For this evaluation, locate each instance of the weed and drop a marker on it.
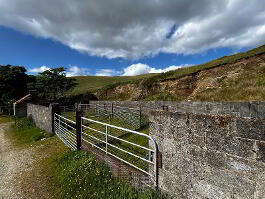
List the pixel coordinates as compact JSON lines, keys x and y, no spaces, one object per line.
{"x":80,"y":175}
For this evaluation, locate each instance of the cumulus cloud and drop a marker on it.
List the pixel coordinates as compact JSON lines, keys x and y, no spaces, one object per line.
{"x":76,"y":71}
{"x":138,"y":69}
{"x":39,"y":70}
{"x":106,"y":72}
{"x":69,"y":72}
{"x":134,"y":29}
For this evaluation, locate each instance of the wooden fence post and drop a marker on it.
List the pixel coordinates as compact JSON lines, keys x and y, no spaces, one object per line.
{"x":79,"y":114}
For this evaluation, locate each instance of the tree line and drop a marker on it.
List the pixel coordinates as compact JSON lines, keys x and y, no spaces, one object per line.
{"x":48,"y":86}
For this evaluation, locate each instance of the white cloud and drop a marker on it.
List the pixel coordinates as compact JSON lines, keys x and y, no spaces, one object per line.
{"x":76,"y":71}
{"x":39,"y":70}
{"x":106,"y":72}
{"x":69,"y":72}
{"x":134,"y":29}
{"x":138,"y":69}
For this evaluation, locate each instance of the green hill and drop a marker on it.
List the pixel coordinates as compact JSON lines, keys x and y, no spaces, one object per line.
{"x":92,"y":84}
{"x":239,"y":77}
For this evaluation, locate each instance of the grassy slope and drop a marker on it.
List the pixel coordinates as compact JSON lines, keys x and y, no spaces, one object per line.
{"x":248,"y":85}
{"x":94,"y":83}
{"x":175,"y":74}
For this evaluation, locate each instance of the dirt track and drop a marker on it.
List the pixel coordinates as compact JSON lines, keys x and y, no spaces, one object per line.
{"x":13,"y":163}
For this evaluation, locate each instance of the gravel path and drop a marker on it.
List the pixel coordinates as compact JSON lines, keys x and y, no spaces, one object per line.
{"x":13,"y":163}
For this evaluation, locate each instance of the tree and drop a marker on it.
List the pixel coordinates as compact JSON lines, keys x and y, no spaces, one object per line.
{"x":13,"y":83}
{"x":53,"y":84}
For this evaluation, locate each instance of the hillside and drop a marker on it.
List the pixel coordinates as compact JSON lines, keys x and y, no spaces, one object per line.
{"x":240,"y":77}
{"x":92,"y":84}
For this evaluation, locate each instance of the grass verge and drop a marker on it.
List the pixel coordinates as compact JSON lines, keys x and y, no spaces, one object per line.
{"x":81,"y":176}
{"x":24,"y":132}
{"x":57,"y":172}
{"x":5,"y":119}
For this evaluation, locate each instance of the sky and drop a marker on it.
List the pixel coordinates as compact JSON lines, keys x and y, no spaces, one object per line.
{"x":125,"y":37}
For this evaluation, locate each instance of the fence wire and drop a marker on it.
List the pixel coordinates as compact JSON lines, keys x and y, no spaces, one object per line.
{"x":131,"y":118}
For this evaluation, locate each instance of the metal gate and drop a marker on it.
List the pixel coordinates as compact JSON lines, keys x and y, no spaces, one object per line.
{"x":65,"y":129}
{"x":138,"y":150}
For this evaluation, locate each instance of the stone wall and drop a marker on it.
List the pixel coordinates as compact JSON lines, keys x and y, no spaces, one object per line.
{"x":241,"y":109}
{"x":41,"y":115}
{"x":210,"y":156}
{"x":21,"y":110}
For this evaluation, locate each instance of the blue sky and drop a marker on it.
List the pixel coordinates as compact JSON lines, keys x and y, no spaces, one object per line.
{"x":143,"y":41}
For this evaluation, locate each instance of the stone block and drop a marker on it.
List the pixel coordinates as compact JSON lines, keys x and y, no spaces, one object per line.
{"x":214,"y":125}
{"x":250,"y":128}
{"x":197,"y":140}
{"x":248,"y":169}
{"x":215,"y":159}
{"x":260,"y":187}
{"x":178,"y":133}
{"x":231,"y":145}
{"x":260,"y":151}
{"x":204,"y":189}
{"x":231,"y":182}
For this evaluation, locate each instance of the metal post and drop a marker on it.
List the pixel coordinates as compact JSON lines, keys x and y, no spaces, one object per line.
{"x":14,"y":108}
{"x":158,"y":163}
{"x":140,"y":116}
{"x":59,"y":124}
{"x":54,"y":109}
{"x":79,"y":114}
{"x":76,"y":106}
{"x":112,"y":110}
{"x":106,"y":139}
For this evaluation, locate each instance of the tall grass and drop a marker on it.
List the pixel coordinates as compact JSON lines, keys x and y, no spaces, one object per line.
{"x":81,"y":176}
